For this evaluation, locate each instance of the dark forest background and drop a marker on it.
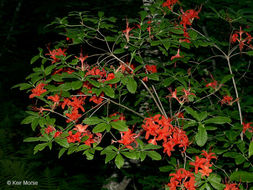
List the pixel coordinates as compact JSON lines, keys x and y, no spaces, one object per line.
{"x":22,"y":30}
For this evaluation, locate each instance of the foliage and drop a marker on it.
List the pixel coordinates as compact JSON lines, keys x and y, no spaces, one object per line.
{"x":93,"y":102}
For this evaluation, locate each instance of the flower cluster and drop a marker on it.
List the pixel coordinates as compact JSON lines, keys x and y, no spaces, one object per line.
{"x":38,"y":90}
{"x":203,"y":165}
{"x":161,"y":129}
{"x":182,"y":178}
{"x":56,"y":53}
{"x":182,"y":99}
{"x":238,"y":37}
{"x":247,"y":126}
{"x":232,"y":186}
{"x":187,"y":18}
{"x":228,"y":100}
{"x":127,"y":138}
{"x":169,"y":3}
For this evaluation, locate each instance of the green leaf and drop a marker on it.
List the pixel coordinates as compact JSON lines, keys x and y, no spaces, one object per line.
{"x":23,"y":86}
{"x":203,"y":115}
{"x":250,"y":53}
{"x":130,"y":155}
{"x":218,"y":120}
{"x":226,"y":78}
{"x":62,"y":142}
{"x":154,"y":155}
{"x":251,"y":149}
{"x":75,"y":85}
{"x":118,"y":51}
{"x":92,"y":121}
{"x":119,"y":125}
{"x":143,"y":156}
{"x":34,"y":139}
{"x":242,"y":176}
{"x":35,"y":123}
{"x":99,"y":128}
{"x":100,"y":14}
{"x":61,"y":152}
{"x":82,"y":147}
{"x":153,"y":76}
{"x":143,"y":14}
{"x":192,"y":113}
{"x":206,"y":186}
{"x":109,"y":156}
{"x":131,"y":85}
{"x":119,"y":161}
{"x":215,"y":181}
{"x":112,"y":81}
{"x":40,"y":147}
{"x":166,"y":43}
{"x":49,"y":69}
{"x":239,"y":159}
{"x":57,"y":78}
{"x":201,"y":136}
{"x":35,"y":58}
{"x":94,"y":83}
{"x":109,"y":91}
{"x":151,"y":146}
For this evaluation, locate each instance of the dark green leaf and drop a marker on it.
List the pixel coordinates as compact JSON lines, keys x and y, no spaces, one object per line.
{"x":109,"y":91}
{"x":62,"y":142}
{"x":130,"y":155}
{"x":119,"y":125}
{"x":218,"y":120}
{"x":201,"y":136}
{"x":119,"y":161}
{"x":35,"y":58}
{"x":40,"y":147}
{"x":75,"y":85}
{"x":61,"y":152}
{"x":192,"y":113}
{"x":131,"y":85}
{"x":99,"y":128}
{"x":154,"y":155}
{"x":109,"y":156}
{"x":251,"y":149}
{"x":242,"y":176}
{"x":92,"y":121}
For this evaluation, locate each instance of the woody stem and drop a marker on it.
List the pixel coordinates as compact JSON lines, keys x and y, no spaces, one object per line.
{"x":141,"y":82}
{"x":129,"y":109}
{"x":236,"y":92}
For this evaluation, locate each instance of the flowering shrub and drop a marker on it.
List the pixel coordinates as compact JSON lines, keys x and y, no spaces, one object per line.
{"x":94,"y":102}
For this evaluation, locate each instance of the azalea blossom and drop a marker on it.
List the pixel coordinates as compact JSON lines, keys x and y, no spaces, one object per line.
{"x":38,"y":90}
{"x":247,"y":126}
{"x":177,"y":55}
{"x":56,"y":53}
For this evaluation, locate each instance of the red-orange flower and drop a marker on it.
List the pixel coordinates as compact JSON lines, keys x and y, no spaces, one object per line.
{"x":177,"y":55}
{"x":232,"y":186}
{"x":82,"y":59}
{"x":127,"y":138}
{"x":55,"y":98}
{"x":151,"y":68}
{"x":247,"y":126}
{"x":38,"y":90}
{"x":74,"y":115}
{"x":169,"y":3}
{"x":49,"y":129}
{"x":203,"y":165}
{"x":188,"y":17}
{"x":55,"y":53}
{"x":127,"y":30}
{"x":182,"y":178}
